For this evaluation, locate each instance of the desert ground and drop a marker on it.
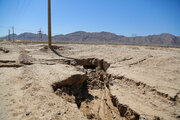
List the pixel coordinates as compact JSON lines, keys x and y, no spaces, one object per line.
{"x":88,"y":81}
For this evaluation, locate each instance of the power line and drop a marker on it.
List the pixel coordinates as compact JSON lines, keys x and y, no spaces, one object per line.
{"x":18,"y":28}
{"x":4,"y":26}
{"x":21,"y":8}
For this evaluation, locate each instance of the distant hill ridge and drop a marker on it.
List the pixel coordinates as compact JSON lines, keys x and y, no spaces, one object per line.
{"x":163,"y":39}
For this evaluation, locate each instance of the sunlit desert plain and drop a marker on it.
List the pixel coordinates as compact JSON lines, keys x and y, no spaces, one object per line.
{"x":88,"y":81}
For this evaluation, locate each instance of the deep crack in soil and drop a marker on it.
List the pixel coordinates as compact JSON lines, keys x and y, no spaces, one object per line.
{"x":4,"y":50}
{"x":91,"y":93}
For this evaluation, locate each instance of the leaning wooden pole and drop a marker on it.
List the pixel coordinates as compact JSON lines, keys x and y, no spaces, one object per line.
{"x":9,"y":35}
{"x":49,"y":23}
{"x":13,"y":33}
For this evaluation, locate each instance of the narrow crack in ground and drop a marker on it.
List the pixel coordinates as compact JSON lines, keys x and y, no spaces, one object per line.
{"x":143,"y":86}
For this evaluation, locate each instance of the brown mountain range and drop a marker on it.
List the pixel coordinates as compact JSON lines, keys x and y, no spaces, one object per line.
{"x":163,"y":39}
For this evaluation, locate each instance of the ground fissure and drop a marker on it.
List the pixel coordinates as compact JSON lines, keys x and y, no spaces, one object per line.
{"x":91,"y":92}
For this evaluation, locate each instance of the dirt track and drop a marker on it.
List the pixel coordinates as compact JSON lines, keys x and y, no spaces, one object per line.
{"x":121,"y":82}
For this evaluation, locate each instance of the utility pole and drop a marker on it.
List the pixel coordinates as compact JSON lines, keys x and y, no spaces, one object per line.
{"x":49,"y":23}
{"x":9,"y":35}
{"x":40,"y":35}
{"x":13,"y":32}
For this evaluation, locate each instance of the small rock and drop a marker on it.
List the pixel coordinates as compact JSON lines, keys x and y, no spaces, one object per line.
{"x":28,"y":113}
{"x":142,"y":118}
{"x":58,"y":113}
{"x":93,"y":70}
{"x":91,"y":116}
{"x":96,"y":97}
{"x":114,"y":115}
{"x":111,"y":84}
{"x":156,"y":118}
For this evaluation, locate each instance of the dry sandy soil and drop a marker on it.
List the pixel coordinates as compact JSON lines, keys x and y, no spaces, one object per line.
{"x":86,"y":81}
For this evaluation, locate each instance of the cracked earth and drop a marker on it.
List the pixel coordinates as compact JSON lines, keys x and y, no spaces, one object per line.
{"x":88,"y":81}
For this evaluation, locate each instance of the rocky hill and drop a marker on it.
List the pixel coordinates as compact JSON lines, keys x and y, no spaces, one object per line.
{"x":163,"y":39}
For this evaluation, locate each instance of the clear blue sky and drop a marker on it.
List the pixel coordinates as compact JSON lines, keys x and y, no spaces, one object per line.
{"x":123,"y":17}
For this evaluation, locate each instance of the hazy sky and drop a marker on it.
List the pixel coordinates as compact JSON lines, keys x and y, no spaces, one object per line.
{"x":123,"y":17}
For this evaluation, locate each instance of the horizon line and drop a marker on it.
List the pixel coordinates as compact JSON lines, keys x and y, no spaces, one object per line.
{"x":133,"y":35}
